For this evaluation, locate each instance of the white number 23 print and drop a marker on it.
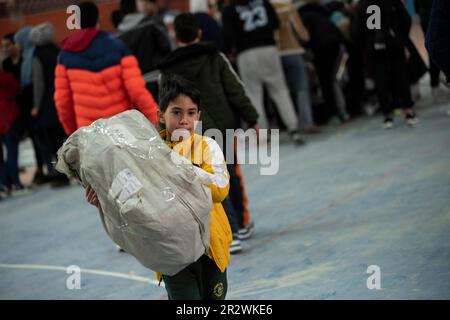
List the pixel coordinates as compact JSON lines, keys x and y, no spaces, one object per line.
{"x":254,"y":18}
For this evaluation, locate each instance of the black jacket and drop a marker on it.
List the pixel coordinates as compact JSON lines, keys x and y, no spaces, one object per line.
{"x":323,"y":33}
{"x":149,"y":42}
{"x":394,"y":32}
{"x":248,"y":24}
{"x":224,"y":102}
{"x":47,"y":56}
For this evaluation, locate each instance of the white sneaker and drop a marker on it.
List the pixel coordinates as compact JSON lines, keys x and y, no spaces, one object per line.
{"x":246,"y":232}
{"x":388,"y":123}
{"x":236,"y":246}
{"x":412,"y":120}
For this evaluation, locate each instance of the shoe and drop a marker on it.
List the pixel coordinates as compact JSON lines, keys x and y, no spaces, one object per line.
{"x":388,"y":123}
{"x":297,"y":138}
{"x":60,"y":181}
{"x":3,"y":192}
{"x":312,"y":130}
{"x":40,"y":178}
{"x":344,"y":117}
{"x":411,"y":119}
{"x":236,"y":246}
{"x":18,"y":190}
{"x":246,"y":232}
{"x":119,"y":248}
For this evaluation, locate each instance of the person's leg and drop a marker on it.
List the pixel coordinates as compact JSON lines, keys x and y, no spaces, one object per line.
{"x":44,"y":147}
{"x":304,"y":99}
{"x":382,"y":76}
{"x":324,"y":74}
{"x":247,"y":62}
{"x":235,"y":194}
{"x":278,"y":89}
{"x":186,"y":284}
{"x":215,"y":285}
{"x":402,"y":90}
{"x":11,"y":140}
{"x":434,"y":75}
{"x":231,"y":214}
{"x":340,"y":64}
{"x":2,"y":166}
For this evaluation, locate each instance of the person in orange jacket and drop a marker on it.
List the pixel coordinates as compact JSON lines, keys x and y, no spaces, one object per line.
{"x":97,"y":76}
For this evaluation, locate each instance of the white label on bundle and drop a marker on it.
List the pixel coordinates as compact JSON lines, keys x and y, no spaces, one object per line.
{"x":125,"y":185}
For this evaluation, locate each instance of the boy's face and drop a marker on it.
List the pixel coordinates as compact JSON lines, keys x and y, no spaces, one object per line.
{"x":180,"y":117}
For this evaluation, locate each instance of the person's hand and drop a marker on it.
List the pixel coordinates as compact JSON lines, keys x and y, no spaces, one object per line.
{"x":34,"y":112}
{"x":91,"y":196}
{"x":256,"y":128}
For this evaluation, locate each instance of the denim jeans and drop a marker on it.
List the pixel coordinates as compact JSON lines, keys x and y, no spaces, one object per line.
{"x":297,"y":81}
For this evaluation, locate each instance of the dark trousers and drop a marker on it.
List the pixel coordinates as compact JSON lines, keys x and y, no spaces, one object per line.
{"x":201,"y":280}
{"x":325,"y":65}
{"x":9,"y":170}
{"x":433,"y":68}
{"x":49,"y":139}
{"x":391,"y":80}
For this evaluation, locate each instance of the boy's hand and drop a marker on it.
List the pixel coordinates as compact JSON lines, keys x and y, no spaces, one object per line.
{"x":91,"y":196}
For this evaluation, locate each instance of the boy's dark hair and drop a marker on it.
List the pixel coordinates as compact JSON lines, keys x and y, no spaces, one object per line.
{"x":173,"y":86}
{"x":186,"y":27}
{"x":10,"y":37}
{"x":89,"y":14}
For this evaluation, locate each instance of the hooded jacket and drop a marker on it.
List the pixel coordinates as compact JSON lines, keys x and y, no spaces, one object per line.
{"x":206,"y":154}
{"x":224,"y":102}
{"x":44,"y":64}
{"x":97,"y":77}
{"x":147,"y":40}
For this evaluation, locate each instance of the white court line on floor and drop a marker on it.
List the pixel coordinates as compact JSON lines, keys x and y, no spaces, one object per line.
{"x":91,"y":271}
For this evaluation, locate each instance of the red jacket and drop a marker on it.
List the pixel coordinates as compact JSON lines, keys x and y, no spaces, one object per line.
{"x":97,"y":77}
{"x":9,"y":89}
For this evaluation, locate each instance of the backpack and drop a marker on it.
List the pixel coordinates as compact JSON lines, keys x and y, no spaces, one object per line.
{"x":153,"y":204}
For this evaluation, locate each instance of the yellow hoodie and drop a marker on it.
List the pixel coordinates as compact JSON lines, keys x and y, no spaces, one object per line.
{"x":206,"y":154}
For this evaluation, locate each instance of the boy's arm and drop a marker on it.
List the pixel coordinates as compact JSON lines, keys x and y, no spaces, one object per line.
{"x":214,"y":170}
{"x":235,"y":92}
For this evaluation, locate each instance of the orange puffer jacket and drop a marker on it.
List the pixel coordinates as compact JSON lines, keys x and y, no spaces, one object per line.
{"x":97,"y":77}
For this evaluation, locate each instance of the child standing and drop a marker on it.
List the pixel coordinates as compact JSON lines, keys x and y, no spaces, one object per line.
{"x":179,"y":110}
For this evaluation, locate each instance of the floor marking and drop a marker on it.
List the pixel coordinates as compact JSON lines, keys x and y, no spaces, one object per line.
{"x":127,"y":276}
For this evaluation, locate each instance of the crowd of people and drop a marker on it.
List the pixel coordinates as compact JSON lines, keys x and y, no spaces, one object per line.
{"x":256,"y":64}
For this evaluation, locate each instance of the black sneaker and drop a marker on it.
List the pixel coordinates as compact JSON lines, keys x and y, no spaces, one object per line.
{"x":411,"y":119}
{"x":40,"y":178}
{"x":60,"y":181}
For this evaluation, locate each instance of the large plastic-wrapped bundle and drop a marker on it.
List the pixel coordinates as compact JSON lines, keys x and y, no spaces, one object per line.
{"x":153,"y":203}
